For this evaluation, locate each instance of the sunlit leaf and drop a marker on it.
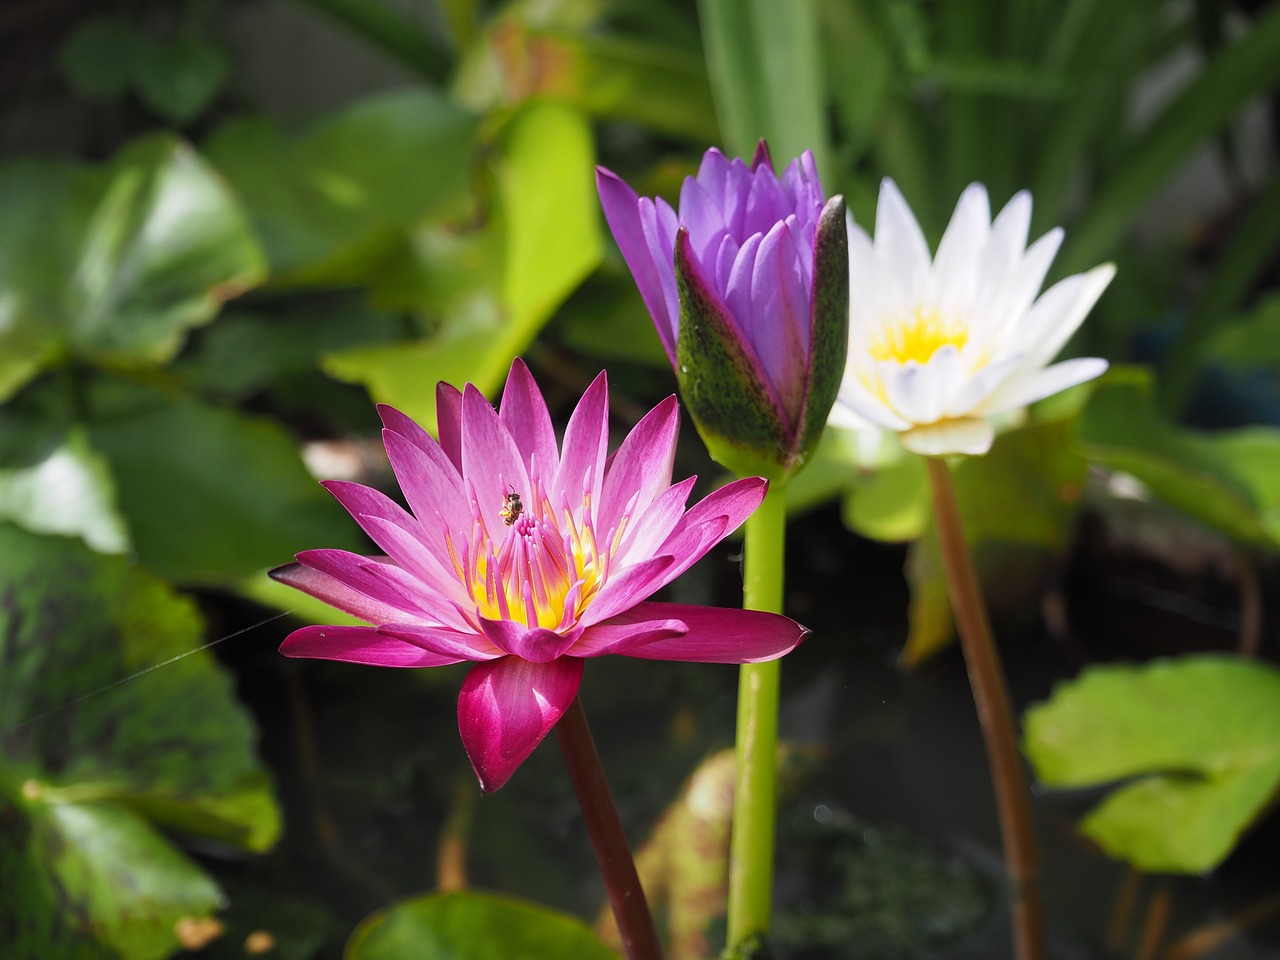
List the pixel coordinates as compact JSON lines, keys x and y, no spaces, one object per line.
{"x":1229,"y":480}
{"x":546,"y":240}
{"x":472,"y":926}
{"x":1199,"y":739}
{"x":70,"y":491}
{"x":89,"y":766}
{"x":114,"y":265}
{"x":212,"y":495}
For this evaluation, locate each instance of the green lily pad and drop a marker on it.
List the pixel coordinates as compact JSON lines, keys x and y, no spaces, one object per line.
{"x":113,"y":265}
{"x":472,"y":926}
{"x":331,"y":206}
{"x":219,"y":509}
{"x":1228,"y":480}
{"x":90,"y":768}
{"x":1194,"y":744}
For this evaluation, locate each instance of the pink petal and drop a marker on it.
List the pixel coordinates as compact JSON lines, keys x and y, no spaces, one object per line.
{"x":490,"y":459}
{"x":651,"y":527}
{"x":411,"y":430}
{"x":505,"y":709}
{"x":625,"y":631}
{"x":537,"y":645}
{"x":336,"y":577}
{"x":625,"y":589}
{"x":586,"y":445}
{"x":641,"y":466}
{"x":343,"y":580}
{"x":449,"y":422}
{"x":525,"y":413}
{"x":712,"y":634}
{"x":724,"y":510}
{"x":454,"y":644}
{"x":430,"y":484}
{"x":358,"y":645}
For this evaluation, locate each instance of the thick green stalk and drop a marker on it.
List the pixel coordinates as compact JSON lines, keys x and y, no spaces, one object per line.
{"x":995,"y":716}
{"x":613,"y":854}
{"x":755,"y":794}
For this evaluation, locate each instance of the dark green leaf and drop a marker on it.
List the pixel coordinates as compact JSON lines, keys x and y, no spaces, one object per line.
{"x":85,"y":764}
{"x":178,"y":80}
{"x":99,"y":56}
{"x":472,"y":926}
{"x":1201,"y":735}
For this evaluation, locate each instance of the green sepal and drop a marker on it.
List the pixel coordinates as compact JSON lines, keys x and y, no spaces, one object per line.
{"x":829,"y":346}
{"x":735,"y":410}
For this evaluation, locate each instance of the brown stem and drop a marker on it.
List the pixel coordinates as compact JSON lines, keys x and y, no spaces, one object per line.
{"x":626,"y":896}
{"x":1157,"y":921}
{"x":1250,"y":603}
{"x":995,"y":715}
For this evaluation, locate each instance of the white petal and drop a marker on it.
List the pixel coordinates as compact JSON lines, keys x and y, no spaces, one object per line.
{"x":1021,"y":286}
{"x":858,"y":403}
{"x":1022,"y":391}
{"x":912,"y":391}
{"x":1009,"y":230}
{"x":966,"y":435}
{"x":1059,"y":312}
{"x":900,"y":243}
{"x":955,"y":269}
{"x":972,"y":394}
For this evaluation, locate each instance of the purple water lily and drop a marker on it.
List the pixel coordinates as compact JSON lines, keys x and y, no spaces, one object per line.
{"x":526,"y":557}
{"x":748,"y":288}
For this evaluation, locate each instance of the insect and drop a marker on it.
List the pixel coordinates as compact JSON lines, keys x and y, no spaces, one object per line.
{"x":511,"y":508}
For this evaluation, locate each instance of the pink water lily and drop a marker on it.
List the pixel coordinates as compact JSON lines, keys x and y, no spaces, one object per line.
{"x":525,"y":557}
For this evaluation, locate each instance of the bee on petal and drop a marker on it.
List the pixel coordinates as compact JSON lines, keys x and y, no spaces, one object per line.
{"x":511,"y":508}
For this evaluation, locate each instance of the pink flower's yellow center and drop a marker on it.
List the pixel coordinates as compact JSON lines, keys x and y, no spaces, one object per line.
{"x":540,"y":567}
{"x":917,"y":336}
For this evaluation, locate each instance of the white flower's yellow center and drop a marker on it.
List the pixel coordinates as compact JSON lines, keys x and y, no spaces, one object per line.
{"x":916,"y":336}
{"x":543,"y":570}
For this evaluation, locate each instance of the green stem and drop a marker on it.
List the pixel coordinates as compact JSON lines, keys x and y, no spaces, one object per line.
{"x":995,"y":715}
{"x":755,"y":794}
{"x":626,"y":896}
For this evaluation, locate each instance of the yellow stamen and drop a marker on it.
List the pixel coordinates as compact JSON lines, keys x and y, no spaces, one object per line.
{"x":917,"y":336}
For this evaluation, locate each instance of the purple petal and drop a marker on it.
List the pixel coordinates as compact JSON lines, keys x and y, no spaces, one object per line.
{"x":537,"y":645}
{"x":712,"y":634}
{"x":626,"y":218}
{"x":490,"y":459}
{"x":778,"y":325}
{"x":525,"y":413}
{"x":358,"y":645}
{"x":703,"y":215}
{"x":761,"y":157}
{"x":449,"y":422}
{"x":505,"y":709}
{"x":454,"y":644}
{"x":641,"y":466}
{"x":585,"y":448}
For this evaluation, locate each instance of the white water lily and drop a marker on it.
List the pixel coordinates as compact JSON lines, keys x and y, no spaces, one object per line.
{"x":939,"y":345}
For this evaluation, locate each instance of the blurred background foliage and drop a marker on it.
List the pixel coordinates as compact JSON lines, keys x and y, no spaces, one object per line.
{"x":227,"y":225}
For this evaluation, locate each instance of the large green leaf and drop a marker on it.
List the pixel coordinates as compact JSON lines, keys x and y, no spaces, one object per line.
{"x":1228,"y":480}
{"x":1199,"y":739}
{"x":115,"y":264}
{"x":472,"y":926}
{"x":213,"y":495}
{"x":331,"y":206}
{"x":88,"y":768}
{"x":545,"y":241}
{"x":1017,"y":504}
